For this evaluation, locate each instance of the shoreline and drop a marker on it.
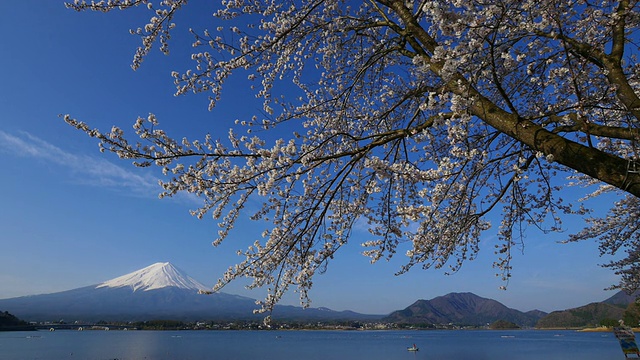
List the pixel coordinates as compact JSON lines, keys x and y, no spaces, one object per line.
{"x":604,"y":329}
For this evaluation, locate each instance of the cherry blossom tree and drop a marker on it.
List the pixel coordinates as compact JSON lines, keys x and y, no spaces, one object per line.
{"x":416,"y":118}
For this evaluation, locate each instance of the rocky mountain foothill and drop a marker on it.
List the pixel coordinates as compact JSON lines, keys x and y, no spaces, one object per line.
{"x":162,"y":291}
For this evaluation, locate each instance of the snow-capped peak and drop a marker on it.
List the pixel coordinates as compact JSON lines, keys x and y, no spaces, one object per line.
{"x":156,"y":276}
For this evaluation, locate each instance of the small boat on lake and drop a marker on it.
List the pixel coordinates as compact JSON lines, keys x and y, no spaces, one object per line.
{"x":413,"y":348}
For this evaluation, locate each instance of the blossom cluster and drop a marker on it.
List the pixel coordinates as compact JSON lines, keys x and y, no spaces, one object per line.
{"x":420,"y":119}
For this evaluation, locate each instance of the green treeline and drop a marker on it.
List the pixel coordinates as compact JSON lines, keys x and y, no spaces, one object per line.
{"x":160,"y":325}
{"x":10,"y":322}
{"x":7,"y":319}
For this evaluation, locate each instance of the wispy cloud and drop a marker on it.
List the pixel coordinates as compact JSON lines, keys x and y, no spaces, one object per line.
{"x":88,"y":170}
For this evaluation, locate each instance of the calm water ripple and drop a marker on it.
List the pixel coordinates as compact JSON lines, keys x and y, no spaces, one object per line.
{"x":310,"y":345}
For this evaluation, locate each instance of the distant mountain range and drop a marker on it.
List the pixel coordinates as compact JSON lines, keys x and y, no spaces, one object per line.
{"x":592,"y":314}
{"x":159,"y":291}
{"x":587,"y":315}
{"x":162,"y":291}
{"x":462,"y":309}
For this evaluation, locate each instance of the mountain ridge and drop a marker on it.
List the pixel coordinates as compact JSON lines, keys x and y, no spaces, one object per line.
{"x":158,"y":291}
{"x":610,"y":310}
{"x":465,"y":309}
{"x":587,"y":315}
{"x":162,"y":290}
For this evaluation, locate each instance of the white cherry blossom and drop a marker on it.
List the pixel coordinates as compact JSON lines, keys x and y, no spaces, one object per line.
{"x":419,"y":118}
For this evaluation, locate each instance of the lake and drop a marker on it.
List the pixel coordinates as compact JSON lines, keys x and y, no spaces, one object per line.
{"x":311,"y":345}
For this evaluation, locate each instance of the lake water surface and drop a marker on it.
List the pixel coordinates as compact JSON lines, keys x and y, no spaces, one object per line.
{"x":312,"y":345}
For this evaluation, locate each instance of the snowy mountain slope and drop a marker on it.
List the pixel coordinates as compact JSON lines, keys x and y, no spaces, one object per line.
{"x":165,"y":292}
{"x":156,"y":276}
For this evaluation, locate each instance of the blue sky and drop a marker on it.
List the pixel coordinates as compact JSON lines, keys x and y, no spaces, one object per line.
{"x":71,"y":216}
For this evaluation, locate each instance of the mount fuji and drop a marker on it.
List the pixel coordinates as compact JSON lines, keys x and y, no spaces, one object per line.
{"x":159,"y":291}
{"x":156,"y":276}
